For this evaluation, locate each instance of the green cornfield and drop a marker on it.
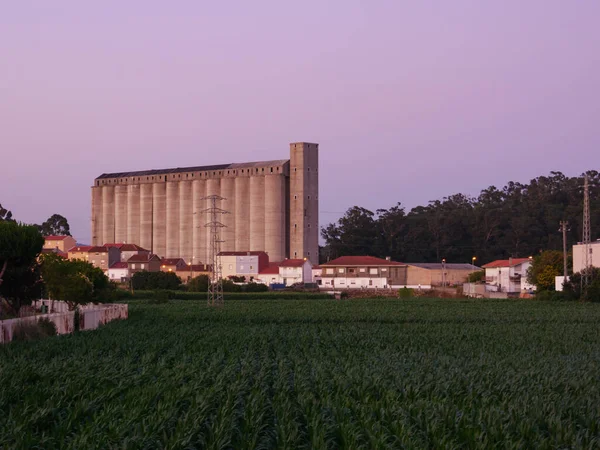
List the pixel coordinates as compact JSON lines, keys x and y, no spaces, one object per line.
{"x":322,"y":374}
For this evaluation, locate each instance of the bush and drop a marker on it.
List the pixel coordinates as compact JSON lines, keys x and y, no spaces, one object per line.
{"x":278,"y":295}
{"x":255,"y":287}
{"x":405,"y":292}
{"x":155,"y":280}
{"x":198,"y":284}
{"x":230,"y":286}
{"x":162,"y":296}
{"x":47,"y":327}
{"x":550,"y":296}
{"x":476,"y":277}
{"x":31,"y":331}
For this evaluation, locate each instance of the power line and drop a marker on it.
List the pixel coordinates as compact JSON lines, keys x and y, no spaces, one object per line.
{"x":585,"y":274}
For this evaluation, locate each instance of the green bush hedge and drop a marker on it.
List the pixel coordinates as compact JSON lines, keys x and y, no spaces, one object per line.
{"x":181,"y":295}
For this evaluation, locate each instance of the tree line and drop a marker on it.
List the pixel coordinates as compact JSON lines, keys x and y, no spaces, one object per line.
{"x":55,"y":225}
{"x":517,"y":220}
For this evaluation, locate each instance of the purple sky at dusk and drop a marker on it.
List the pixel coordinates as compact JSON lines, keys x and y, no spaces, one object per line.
{"x":409,"y":101}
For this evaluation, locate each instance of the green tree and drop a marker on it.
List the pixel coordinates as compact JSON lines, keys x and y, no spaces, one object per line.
{"x":198,"y":284}
{"x":19,"y":275}
{"x":5,"y":215}
{"x":75,"y":282}
{"x":155,"y":280}
{"x":56,"y":225}
{"x":544,"y":268}
{"x":572,"y":288}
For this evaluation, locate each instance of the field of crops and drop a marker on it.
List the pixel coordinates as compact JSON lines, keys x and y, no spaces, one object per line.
{"x":312,"y":374}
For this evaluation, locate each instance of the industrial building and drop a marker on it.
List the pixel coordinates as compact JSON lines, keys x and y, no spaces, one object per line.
{"x":273,"y":207}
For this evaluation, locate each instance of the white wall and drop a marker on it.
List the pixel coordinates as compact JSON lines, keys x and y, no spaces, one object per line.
{"x":353,"y":282}
{"x":578,"y":256}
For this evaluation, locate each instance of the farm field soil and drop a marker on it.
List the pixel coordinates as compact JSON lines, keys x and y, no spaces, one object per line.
{"x":419,"y":373}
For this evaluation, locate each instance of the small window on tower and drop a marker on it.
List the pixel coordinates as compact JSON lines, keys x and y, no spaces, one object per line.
{"x":271,"y":170}
{"x":309,"y":197}
{"x":295,"y":225}
{"x":309,"y":169}
{"x":295,"y":197}
{"x":309,"y":225}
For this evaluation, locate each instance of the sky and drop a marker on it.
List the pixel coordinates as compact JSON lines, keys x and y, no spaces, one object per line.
{"x":410,"y":101}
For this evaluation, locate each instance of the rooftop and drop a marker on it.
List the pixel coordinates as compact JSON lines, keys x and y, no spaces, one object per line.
{"x":56,"y":238}
{"x":438,"y":266}
{"x":272,"y":269}
{"x":256,"y":253}
{"x":292,"y":263}
{"x":119,"y":265}
{"x":143,"y":257}
{"x":171,"y":261}
{"x":138,"y":173}
{"x":80,"y":248}
{"x":127,"y":247}
{"x":505,"y":263}
{"x":196,"y":268}
{"x":361,"y":261}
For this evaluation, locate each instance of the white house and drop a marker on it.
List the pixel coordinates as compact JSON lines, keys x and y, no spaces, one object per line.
{"x":317,"y":273}
{"x":295,"y":271}
{"x":118,"y":272}
{"x":579,"y":256}
{"x":508,"y":275}
{"x":270,"y":275}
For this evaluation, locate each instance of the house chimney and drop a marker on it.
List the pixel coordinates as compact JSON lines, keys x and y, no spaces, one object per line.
{"x":388,"y":258}
{"x":510,"y":262}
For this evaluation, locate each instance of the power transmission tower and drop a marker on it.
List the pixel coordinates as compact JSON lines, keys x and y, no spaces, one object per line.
{"x":564,"y":227}
{"x":585,"y":273}
{"x":215,"y":287}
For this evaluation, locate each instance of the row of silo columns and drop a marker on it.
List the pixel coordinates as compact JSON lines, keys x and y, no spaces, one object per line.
{"x":169,"y":218}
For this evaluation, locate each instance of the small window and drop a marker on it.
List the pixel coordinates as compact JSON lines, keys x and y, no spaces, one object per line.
{"x":341,"y":270}
{"x":295,"y":225}
{"x":230,"y":266}
{"x":362,"y":270}
{"x":251,"y":267}
{"x":271,"y":170}
{"x":241,"y":267}
{"x":309,"y":197}
{"x":309,"y":169}
{"x":350,"y":270}
{"x":295,"y":253}
{"x":294,"y":169}
{"x":309,"y":225}
{"x":295,"y":197}
{"x":384,"y":269}
{"x":373,"y":271}
{"x":262,"y":170}
{"x":143,"y":266}
{"x":329,"y":271}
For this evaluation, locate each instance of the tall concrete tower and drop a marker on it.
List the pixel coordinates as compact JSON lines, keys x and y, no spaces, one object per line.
{"x":304,"y":201}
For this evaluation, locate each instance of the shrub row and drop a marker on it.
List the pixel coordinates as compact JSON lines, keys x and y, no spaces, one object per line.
{"x":182,"y":295}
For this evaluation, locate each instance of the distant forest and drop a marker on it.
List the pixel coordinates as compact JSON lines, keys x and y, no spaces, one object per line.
{"x":518,"y":220}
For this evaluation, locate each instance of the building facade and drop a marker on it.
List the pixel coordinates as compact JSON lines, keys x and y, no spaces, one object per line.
{"x":437,"y":274}
{"x":63,"y":243}
{"x":362,"y":272}
{"x":273,"y":207}
{"x":508,"y":275}
{"x":244,"y":264}
{"x":579,"y":256}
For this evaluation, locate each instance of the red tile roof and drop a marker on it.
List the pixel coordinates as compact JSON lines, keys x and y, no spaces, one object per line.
{"x":196,"y":268}
{"x":242,"y":253}
{"x":80,"y":248}
{"x":144,"y":257}
{"x":360,"y":261}
{"x":98,"y":249}
{"x":172,"y":261}
{"x":127,"y":247}
{"x":272,"y":269}
{"x":119,"y":265}
{"x":292,"y":263}
{"x":505,"y":263}
{"x":54,"y":250}
{"x":56,"y":238}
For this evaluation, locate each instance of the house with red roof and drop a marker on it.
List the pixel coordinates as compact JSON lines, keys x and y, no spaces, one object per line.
{"x":295,"y":271}
{"x":119,"y":272}
{"x":63,"y":243}
{"x":145,"y":262}
{"x":270,"y":274}
{"x":245,"y":264}
{"x":128,"y":250}
{"x":508,"y":275}
{"x":172,"y":264}
{"x":362,"y":272}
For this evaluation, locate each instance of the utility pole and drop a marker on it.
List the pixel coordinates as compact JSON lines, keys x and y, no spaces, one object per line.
{"x":215,"y":287}
{"x":585,"y":273}
{"x":564,"y":228}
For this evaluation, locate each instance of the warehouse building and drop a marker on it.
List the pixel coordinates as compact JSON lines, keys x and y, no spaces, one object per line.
{"x":273,"y":207}
{"x":437,"y":274}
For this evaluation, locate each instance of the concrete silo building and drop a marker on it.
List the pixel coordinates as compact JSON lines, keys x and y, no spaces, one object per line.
{"x":273,"y":205}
